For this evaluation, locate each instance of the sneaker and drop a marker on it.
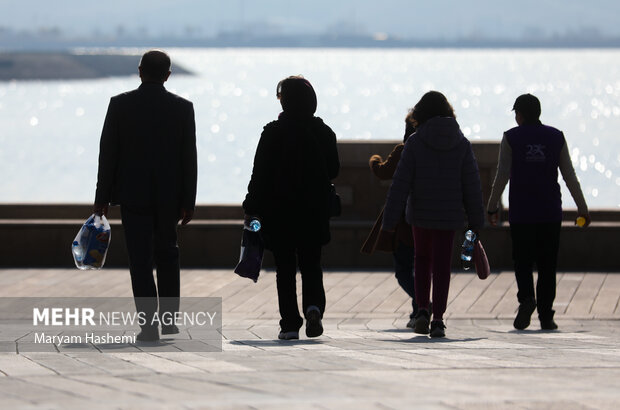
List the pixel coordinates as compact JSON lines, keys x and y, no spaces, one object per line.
{"x":524,"y":315}
{"x":314,"y":327}
{"x":438,"y":329}
{"x":169,"y":330}
{"x":548,"y":324}
{"x":288,"y":335}
{"x":148,"y":335}
{"x":420,"y":325}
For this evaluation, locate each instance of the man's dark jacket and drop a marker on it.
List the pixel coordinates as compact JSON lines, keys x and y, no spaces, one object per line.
{"x":147,"y":156}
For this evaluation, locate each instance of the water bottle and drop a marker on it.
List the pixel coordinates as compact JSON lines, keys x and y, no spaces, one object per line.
{"x":467,"y":250}
{"x":78,"y":253}
{"x":254,"y":225}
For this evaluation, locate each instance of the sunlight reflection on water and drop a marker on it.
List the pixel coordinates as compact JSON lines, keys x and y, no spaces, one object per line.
{"x":50,"y":130}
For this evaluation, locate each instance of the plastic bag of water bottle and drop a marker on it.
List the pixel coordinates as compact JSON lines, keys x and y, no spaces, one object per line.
{"x":473,"y":254}
{"x":467,"y":250}
{"x":252,"y":248}
{"x":90,"y":246}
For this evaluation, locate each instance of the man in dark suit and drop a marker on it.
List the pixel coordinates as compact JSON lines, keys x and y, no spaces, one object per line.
{"x":148,"y":165}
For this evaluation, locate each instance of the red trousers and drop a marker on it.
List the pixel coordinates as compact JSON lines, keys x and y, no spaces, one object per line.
{"x":433,"y":255}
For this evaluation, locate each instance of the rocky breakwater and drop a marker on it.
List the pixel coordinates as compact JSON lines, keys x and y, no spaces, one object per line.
{"x":69,"y":66}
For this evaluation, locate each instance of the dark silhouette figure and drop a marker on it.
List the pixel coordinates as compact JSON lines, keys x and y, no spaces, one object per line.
{"x":437,"y":180}
{"x":530,"y":156}
{"x":289,"y":191}
{"x":401,"y":244}
{"x":148,"y":165}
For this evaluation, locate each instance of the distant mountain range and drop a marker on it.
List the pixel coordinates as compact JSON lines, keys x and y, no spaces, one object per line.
{"x":10,"y":41}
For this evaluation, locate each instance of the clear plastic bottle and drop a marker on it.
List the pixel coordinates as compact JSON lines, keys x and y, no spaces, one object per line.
{"x":467,"y":250}
{"x":254,"y":225}
{"x":78,"y":252}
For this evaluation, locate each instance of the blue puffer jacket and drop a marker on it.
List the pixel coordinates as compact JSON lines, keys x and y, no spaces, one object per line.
{"x":437,"y":179}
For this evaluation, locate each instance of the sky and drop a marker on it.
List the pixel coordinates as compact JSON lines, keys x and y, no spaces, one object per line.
{"x":445,"y":19}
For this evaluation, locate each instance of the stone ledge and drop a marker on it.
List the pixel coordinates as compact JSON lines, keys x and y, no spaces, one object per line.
{"x":215,"y":243}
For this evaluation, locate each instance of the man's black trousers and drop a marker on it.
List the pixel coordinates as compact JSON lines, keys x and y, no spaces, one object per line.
{"x":151,"y":237}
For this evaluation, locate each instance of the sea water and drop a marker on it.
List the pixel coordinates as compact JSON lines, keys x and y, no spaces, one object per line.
{"x":49,"y":130}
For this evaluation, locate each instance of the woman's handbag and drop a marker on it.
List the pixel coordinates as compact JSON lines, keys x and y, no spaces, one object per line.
{"x":251,"y":257}
{"x":480,"y":261}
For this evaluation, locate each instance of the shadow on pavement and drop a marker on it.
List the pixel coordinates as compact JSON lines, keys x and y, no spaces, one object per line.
{"x":407,"y":330}
{"x":428,"y":339}
{"x":276,"y":342}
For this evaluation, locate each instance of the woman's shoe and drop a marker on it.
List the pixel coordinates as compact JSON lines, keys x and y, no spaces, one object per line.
{"x":438,"y":329}
{"x":288,"y":335}
{"x":421,"y":322}
{"x":524,"y":315}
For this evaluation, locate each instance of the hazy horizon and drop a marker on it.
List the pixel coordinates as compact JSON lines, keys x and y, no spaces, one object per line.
{"x":399,"y":18}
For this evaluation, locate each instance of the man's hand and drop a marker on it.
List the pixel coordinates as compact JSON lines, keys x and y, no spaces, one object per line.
{"x":186,"y":216}
{"x":248,"y":218}
{"x":100,"y":209}
{"x":375,"y":159}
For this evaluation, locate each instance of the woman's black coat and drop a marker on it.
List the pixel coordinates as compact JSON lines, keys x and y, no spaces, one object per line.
{"x":289,"y":190}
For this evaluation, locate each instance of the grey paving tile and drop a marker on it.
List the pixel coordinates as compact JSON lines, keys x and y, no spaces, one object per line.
{"x":8,"y":347}
{"x":16,"y":365}
{"x":28,"y":347}
{"x":22,"y":389}
{"x":61,"y":364}
{"x":365,"y":359}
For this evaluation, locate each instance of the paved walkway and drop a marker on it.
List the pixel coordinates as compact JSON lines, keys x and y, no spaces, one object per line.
{"x":366,"y":358}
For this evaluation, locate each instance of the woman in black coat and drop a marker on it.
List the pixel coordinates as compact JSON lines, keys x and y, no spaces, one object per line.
{"x":289,"y":192}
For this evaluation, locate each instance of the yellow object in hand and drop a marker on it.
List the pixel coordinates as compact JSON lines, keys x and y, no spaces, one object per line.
{"x":581,"y":221}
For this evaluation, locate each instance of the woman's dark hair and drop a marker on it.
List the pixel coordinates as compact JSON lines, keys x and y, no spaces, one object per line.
{"x":409,"y":125}
{"x":432,"y":104}
{"x":297,"y":96}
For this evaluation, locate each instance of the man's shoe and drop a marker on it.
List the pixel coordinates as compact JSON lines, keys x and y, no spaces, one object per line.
{"x":314,"y":327}
{"x":411,"y":323}
{"x":288,"y":335}
{"x":169,"y":330}
{"x":422,"y":319}
{"x":524,"y":315}
{"x":548,"y":324}
{"x":148,"y":335}
{"x":438,"y":329}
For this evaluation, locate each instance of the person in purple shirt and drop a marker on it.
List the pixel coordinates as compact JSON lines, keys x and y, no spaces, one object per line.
{"x":530,"y":156}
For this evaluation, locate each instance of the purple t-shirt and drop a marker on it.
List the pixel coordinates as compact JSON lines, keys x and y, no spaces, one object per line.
{"x":534,"y":190}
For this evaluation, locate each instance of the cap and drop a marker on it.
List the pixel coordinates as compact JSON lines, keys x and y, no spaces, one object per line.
{"x":528,"y":105}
